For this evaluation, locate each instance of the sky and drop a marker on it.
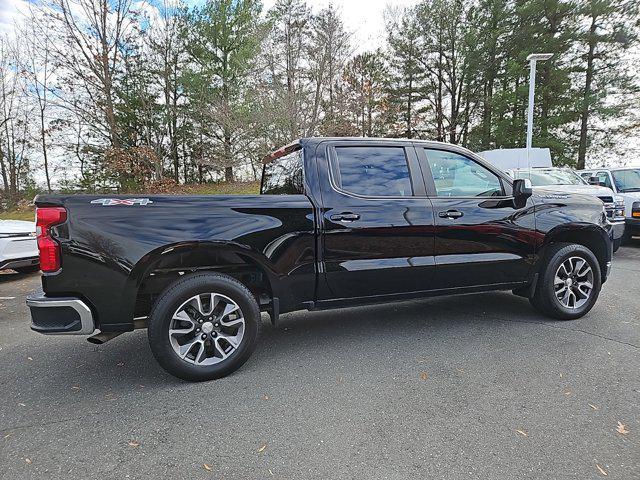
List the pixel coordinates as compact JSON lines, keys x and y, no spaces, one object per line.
{"x":364,"y":18}
{"x":9,"y":12}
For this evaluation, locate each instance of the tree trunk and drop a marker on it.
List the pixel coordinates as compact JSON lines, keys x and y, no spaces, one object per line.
{"x":409,"y":107}
{"x":44,"y":151}
{"x":584,"y":116}
{"x":3,"y":168}
{"x":228,"y":170}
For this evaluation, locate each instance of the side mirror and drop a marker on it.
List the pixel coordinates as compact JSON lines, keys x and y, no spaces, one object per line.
{"x":521,"y":191}
{"x":594,"y":181}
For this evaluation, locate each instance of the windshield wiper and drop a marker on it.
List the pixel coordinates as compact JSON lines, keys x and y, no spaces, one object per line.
{"x":625,"y":190}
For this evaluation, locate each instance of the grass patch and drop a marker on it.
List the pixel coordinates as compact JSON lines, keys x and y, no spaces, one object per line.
{"x":235,"y":188}
{"x":28,"y":215}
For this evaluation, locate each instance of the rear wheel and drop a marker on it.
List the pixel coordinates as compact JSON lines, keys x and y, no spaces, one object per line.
{"x":204,"y":326}
{"x":569,"y":283}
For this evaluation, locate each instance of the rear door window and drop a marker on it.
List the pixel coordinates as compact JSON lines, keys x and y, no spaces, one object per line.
{"x":373,"y":171}
{"x":284,"y":175}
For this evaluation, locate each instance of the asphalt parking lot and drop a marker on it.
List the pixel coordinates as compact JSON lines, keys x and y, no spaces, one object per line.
{"x":476,"y":386}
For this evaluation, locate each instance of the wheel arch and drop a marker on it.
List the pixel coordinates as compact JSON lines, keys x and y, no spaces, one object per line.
{"x":161,"y":267}
{"x":591,"y":236}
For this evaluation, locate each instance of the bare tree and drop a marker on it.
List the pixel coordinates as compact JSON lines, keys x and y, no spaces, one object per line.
{"x":38,"y":68}
{"x":90,"y":37}
{"x":15,"y":114}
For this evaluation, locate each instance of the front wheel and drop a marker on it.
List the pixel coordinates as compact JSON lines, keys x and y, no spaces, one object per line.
{"x":569,"y":282}
{"x":204,"y":326}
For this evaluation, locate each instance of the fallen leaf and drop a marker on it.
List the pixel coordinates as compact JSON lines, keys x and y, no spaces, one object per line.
{"x":424,"y":375}
{"x":271,"y":472}
{"x":601,"y":470}
{"x":207,"y":467}
{"x":133,"y":443}
{"x":76,"y":387}
{"x":22,"y":404}
{"x":568,"y":392}
{"x":265,"y":397}
{"x":523,"y":433}
{"x":27,"y":461}
{"x":7,"y":435}
{"x":30,"y":359}
{"x":460,"y":370}
{"x":593,"y":406}
{"x":621,"y":429}
{"x":121,"y":364}
{"x":262,"y":448}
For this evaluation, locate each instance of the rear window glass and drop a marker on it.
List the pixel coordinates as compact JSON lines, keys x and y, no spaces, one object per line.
{"x":283,"y":176}
{"x":373,"y":171}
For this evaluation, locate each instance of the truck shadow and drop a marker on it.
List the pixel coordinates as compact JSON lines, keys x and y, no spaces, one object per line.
{"x":125,"y":364}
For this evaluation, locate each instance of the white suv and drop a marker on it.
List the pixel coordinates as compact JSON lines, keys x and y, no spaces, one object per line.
{"x":625,"y":182}
{"x":18,"y":247}
{"x":566,"y":180}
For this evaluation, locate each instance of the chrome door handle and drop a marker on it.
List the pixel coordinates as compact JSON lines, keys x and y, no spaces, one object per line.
{"x":450,"y":214}
{"x":345,"y":217}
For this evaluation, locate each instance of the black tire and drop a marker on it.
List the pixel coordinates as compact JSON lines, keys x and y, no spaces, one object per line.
{"x":616,"y":244}
{"x":29,"y":269}
{"x":544,"y":299}
{"x":179,"y":292}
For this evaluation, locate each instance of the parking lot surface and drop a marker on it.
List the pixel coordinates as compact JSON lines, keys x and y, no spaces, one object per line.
{"x":475,"y":386}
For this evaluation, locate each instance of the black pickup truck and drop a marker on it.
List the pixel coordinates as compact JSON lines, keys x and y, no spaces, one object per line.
{"x":339,"y":222}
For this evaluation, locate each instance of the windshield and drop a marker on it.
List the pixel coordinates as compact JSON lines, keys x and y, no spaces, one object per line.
{"x":541,"y":178}
{"x":627,"y":180}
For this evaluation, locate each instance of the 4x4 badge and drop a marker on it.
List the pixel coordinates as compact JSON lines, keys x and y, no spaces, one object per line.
{"x":109,"y":202}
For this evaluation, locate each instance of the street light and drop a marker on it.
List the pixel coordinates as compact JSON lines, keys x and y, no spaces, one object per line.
{"x":533,"y":58}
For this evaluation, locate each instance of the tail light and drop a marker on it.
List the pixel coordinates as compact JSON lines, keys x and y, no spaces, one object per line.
{"x":47,"y":217}
{"x":635,"y":210}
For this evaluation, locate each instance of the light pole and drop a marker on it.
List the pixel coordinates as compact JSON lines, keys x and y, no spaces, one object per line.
{"x":533,"y":58}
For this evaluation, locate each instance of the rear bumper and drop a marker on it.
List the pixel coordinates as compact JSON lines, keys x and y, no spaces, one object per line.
{"x":19,"y":262}
{"x":60,"y":315}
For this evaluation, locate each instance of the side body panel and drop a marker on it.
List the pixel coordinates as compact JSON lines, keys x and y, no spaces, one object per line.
{"x":108,"y":250}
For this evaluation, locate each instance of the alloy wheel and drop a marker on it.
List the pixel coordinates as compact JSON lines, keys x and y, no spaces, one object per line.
{"x":206,"y":329}
{"x":573,"y":282}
